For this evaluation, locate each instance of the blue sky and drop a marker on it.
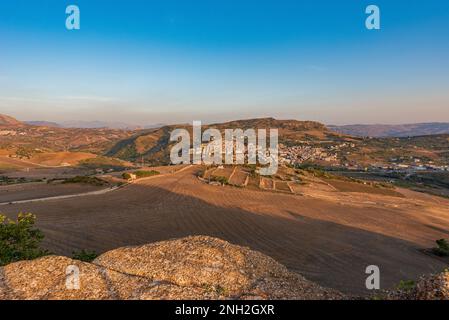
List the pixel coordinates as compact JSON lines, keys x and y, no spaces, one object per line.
{"x":172,"y":61}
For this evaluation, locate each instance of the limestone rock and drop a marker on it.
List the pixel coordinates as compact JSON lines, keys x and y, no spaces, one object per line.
{"x":190,"y":268}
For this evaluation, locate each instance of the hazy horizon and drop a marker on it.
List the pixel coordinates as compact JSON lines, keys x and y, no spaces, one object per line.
{"x":170,"y":62}
{"x":71,"y":122}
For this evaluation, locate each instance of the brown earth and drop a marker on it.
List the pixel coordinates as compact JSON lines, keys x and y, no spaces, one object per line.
{"x":282,"y":186}
{"x":47,"y":159}
{"x":222,"y":172}
{"x":345,"y":186}
{"x":61,"y":158}
{"x":9,"y":121}
{"x":239,"y":178}
{"x":9,"y":164}
{"x":330,"y":237}
{"x":49,"y":173}
{"x":28,"y":191}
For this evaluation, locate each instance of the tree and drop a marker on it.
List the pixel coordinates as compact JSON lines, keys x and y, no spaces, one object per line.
{"x":20,"y":240}
{"x":442,"y":249}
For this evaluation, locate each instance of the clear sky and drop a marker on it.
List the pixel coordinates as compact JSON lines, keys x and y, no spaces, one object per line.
{"x":167,"y":61}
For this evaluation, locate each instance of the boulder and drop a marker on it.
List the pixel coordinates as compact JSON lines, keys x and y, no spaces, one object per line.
{"x":190,"y":268}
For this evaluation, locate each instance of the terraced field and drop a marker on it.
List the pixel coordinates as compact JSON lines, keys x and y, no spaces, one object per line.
{"x":328,"y":236}
{"x":239,"y":178}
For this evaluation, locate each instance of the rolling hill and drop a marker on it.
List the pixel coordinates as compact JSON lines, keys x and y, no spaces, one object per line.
{"x":154,"y":145}
{"x":44,"y":137}
{"x":43,"y":124}
{"x":7,"y":121}
{"x":23,"y":145}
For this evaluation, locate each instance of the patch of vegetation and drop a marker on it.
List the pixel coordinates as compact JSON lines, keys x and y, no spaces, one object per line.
{"x":85,"y":255}
{"x":24,"y":153}
{"x":140,"y":174}
{"x":442,"y":248}
{"x":200,"y":173}
{"x":406,"y":285}
{"x":103,"y":163}
{"x":20,"y":240}
{"x":253,"y":170}
{"x":218,"y":289}
{"x":4,"y":180}
{"x":126,"y":176}
{"x":220,"y":179}
{"x":94,"y":181}
{"x":318,"y":173}
{"x":143,"y":174}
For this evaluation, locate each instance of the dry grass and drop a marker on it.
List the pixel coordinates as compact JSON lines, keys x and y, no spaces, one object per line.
{"x":60,"y":158}
{"x":347,"y":186}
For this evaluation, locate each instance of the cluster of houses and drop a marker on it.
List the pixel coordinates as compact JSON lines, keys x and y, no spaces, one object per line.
{"x":7,"y":133}
{"x":299,"y":154}
{"x":410,"y":167}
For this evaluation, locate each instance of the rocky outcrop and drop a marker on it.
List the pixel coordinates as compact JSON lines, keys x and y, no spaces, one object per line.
{"x":9,"y":121}
{"x":189,"y":268}
{"x":428,"y":287}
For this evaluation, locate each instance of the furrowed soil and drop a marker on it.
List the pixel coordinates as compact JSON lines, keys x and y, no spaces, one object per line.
{"x":330,"y":237}
{"x":29,"y":191}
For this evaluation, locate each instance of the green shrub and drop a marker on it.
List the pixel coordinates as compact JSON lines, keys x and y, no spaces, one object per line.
{"x":406,"y":285}
{"x":86,"y":180}
{"x":222,"y":180}
{"x":20,"y":240}
{"x":84,"y":255}
{"x":143,"y":174}
{"x":443,"y":248}
{"x":104,"y":163}
{"x":126,"y":176}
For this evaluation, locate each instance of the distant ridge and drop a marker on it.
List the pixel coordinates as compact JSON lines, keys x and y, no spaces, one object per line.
{"x":43,"y":124}
{"x":9,"y":121}
{"x":401,"y":130}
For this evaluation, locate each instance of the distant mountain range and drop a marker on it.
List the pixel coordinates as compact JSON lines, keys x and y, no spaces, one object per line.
{"x":43,"y":124}
{"x":91,"y":125}
{"x":400,"y":130}
{"x":9,"y":121}
{"x":359,"y":130}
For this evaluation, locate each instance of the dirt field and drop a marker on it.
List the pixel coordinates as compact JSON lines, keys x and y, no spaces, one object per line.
{"x":60,"y":158}
{"x":282,"y":186}
{"x":266,"y":183}
{"x":54,"y":159}
{"x":345,"y":186}
{"x":238,"y":178}
{"x":328,"y":236}
{"x":28,"y":191}
{"x":223,"y":172}
{"x":8,"y":164}
{"x":49,"y":173}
